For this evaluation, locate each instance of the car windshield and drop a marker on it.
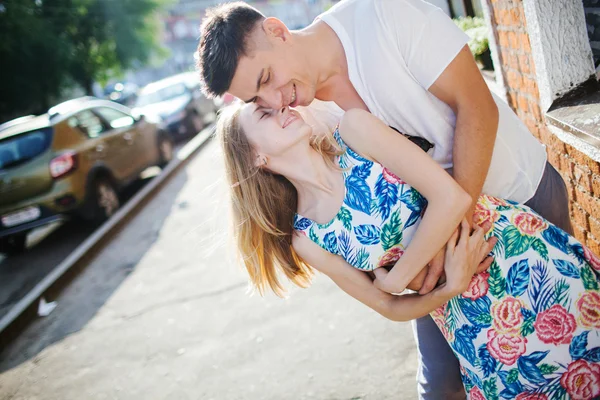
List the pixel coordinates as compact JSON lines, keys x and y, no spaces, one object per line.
{"x":164,"y":94}
{"x":19,"y":149}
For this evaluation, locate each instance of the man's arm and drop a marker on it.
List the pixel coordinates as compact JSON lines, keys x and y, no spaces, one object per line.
{"x":462,"y":87}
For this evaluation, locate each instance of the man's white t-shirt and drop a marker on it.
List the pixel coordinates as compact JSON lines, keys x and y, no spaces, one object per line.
{"x":396,"y":49}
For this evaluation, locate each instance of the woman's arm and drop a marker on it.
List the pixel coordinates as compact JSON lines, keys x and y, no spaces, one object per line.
{"x":447,"y":201}
{"x":358,"y":285}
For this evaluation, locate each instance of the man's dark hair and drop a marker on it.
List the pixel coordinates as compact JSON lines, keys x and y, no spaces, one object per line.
{"x":223,"y":40}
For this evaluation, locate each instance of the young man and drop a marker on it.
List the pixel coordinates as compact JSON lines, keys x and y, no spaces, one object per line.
{"x":407,"y":63}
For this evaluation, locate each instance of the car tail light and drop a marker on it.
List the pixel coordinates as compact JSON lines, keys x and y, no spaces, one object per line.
{"x":63,"y":164}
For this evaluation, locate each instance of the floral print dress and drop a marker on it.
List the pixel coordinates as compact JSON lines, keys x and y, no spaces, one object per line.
{"x":528,"y":328}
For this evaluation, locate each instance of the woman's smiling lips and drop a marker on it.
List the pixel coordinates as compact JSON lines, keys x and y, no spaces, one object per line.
{"x":292,"y":117}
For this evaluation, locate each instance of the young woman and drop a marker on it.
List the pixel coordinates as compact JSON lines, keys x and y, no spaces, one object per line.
{"x":354,"y":203}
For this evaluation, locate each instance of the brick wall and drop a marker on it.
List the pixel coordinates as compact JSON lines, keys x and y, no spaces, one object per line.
{"x":581,"y":174}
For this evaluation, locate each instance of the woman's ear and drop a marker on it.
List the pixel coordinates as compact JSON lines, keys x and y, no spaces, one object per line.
{"x":260,"y":161}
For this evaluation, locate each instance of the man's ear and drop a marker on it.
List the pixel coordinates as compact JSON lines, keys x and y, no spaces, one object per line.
{"x":275,"y":29}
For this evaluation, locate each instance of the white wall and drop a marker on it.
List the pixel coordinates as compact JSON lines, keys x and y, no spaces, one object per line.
{"x":560,"y":46}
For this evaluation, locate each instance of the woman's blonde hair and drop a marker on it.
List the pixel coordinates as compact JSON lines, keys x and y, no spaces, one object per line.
{"x":264,"y":205}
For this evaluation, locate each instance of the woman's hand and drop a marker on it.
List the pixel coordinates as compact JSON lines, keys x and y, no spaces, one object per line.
{"x":464,"y":253}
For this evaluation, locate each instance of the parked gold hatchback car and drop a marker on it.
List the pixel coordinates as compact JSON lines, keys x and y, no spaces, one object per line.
{"x":72,"y":161}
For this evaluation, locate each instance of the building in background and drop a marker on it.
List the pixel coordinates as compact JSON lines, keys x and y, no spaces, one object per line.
{"x":182,"y":22}
{"x":546,"y":53}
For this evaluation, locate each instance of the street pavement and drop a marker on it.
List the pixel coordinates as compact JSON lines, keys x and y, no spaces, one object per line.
{"x":164,"y":312}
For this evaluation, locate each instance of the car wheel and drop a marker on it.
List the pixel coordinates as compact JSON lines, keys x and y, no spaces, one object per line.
{"x":104,"y":200}
{"x":165,"y":150}
{"x":14,"y":244}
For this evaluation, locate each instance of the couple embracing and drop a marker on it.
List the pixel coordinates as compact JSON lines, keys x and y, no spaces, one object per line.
{"x":369,"y":148}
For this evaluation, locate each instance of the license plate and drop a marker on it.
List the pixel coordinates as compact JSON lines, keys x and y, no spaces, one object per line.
{"x":19,"y":217}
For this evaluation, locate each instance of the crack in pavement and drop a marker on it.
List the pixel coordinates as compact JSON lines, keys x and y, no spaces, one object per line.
{"x":184,"y":299}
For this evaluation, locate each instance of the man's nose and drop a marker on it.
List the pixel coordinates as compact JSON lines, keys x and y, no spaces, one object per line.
{"x":274,"y":100}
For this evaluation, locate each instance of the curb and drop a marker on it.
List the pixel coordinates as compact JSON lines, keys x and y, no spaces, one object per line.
{"x":96,"y":240}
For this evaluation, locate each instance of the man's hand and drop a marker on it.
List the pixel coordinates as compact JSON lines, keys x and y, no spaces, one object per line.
{"x":436,"y":266}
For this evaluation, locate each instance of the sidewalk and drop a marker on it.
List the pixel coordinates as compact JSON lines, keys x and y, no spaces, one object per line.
{"x":163,"y":313}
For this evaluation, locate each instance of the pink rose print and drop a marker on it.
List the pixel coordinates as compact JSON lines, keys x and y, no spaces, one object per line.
{"x":506,"y":348}
{"x":478,"y":287}
{"x":590,"y":257}
{"x":447,"y":333}
{"x":390,"y":256}
{"x":531,"y":396}
{"x":588,"y":306}
{"x":495,"y":200}
{"x":529,"y":224}
{"x":391,"y":177}
{"x":439,"y":313}
{"x":555,"y":325}
{"x":507,"y":316}
{"x":582,"y":380}
{"x":482,"y":214}
{"x":475,"y":394}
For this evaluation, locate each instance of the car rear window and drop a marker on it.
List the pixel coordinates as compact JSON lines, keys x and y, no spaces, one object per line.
{"x":21,"y":148}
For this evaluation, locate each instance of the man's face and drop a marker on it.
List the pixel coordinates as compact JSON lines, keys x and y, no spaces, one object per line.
{"x":272,"y":74}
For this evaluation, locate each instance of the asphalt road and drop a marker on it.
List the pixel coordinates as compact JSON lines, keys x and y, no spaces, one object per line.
{"x":163,"y":312}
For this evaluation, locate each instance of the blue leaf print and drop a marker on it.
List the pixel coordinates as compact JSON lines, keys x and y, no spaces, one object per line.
{"x":527,"y":313}
{"x":566,"y":268}
{"x":474,"y":378}
{"x":363,"y":170}
{"x":413,"y":200}
{"x":472,"y":309}
{"x":302,"y":223}
{"x":343,"y":161}
{"x":367,"y":234}
{"x":487,"y":363}
{"x":387,"y":196}
{"x":338,"y":139}
{"x":511,"y":389}
{"x":503,"y":219}
{"x":592,"y":355}
{"x":540,"y":290}
{"x":578,"y":252}
{"x":517,"y":279}
{"x":358,"y":194}
{"x":356,"y":156}
{"x":345,"y":245}
{"x":536,"y":356}
{"x":530,"y":371}
{"x":360,"y":260}
{"x":414,"y":217}
{"x":463,"y":342}
{"x":556,"y":238}
{"x":330,"y":242}
{"x":577,"y":349}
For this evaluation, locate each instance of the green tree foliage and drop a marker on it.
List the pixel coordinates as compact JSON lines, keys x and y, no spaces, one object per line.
{"x":47,"y":45}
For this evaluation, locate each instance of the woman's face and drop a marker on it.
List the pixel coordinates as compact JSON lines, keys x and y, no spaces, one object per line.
{"x":272,"y":133}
